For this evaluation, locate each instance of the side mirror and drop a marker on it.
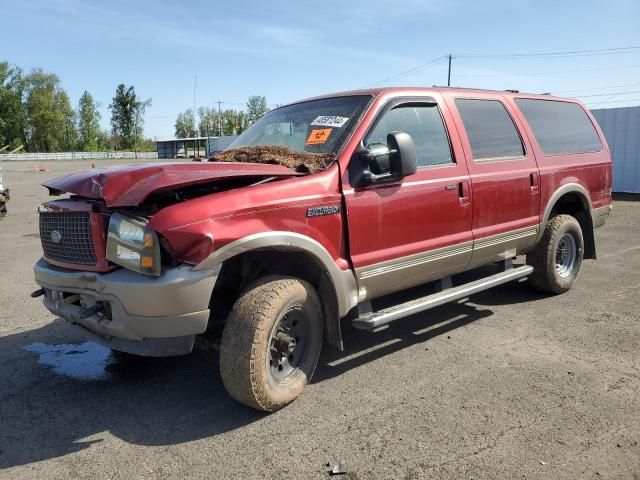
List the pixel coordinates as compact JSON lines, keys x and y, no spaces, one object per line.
{"x":403,"y":157}
{"x":384,"y":163}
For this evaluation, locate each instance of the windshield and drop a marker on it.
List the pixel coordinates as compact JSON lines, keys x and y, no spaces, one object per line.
{"x":316,"y":126}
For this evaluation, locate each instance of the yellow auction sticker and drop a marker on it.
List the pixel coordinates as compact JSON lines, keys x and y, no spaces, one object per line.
{"x":318,"y":136}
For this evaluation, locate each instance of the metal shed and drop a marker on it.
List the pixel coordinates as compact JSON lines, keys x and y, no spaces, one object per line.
{"x":218,"y":144}
{"x":181,"y":147}
{"x":621,"y":127}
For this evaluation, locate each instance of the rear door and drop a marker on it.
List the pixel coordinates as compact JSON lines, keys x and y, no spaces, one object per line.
{"x":409,"y":231}
{"x":504,"y":176}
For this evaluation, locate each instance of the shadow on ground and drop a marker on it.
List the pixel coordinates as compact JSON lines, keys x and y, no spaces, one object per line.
{"x":46,"y":413}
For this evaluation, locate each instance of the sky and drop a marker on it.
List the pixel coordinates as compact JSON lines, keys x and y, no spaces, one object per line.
{"x":287,"y":51}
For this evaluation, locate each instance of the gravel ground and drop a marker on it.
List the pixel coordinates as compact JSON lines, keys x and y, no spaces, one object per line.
{"x":511,"y":385}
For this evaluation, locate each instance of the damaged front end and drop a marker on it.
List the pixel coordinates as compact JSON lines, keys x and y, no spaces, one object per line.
{"x":108,"y":270}
{"x":104,"y":223}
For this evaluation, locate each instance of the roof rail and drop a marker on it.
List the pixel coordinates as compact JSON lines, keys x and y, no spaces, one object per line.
{"x":478,"y":89}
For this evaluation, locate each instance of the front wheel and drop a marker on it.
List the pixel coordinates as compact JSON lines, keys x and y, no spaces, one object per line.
{"x":557,"y":258}
{"x":271,"y":342}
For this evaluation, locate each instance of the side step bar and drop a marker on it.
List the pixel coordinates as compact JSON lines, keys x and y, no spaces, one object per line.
{"x":379,"y":320}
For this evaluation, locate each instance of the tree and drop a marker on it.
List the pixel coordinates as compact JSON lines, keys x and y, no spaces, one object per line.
{"x":186,"y":125}
{"x":242,"y":122}
{"x":50,"y":118}
{"x":256,"y":107}
{"x":88,"y":123}
{"x":234,"y":122}
{"x":209,"y":124}
{"x":12,"y":112}
{"x":127,"y":116}
{"x":70,"y":134}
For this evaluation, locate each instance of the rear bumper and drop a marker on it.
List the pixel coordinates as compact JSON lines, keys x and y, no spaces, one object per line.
{"x":601,"y":215}
{"x":130,"y":312}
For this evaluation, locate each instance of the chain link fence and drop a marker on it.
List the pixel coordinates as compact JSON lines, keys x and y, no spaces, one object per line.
{"x":47,"y":157}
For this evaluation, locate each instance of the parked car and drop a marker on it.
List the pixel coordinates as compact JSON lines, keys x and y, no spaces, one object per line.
{"x":329,"y":209}
{"x":5,"y":195}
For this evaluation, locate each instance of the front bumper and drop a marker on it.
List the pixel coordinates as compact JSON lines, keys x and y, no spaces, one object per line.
{"x":131,"y":312}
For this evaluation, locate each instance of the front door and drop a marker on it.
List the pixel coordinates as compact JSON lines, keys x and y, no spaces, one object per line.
{"x":416,"y":229}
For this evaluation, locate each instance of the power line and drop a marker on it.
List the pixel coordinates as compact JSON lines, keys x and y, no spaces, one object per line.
{"x":617,"y":94}
{"x":430,"y":63}
{"x":592,"y":88}
{"x":557,"y":72}
{"x":616,"y":101}
{"x":560,"y":54}
{"x":611,"y":94}
{"x":570,"y":53}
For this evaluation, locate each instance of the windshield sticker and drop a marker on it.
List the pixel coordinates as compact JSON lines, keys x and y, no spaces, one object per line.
{"x":318,"y":136}
{"x":330,"y":121}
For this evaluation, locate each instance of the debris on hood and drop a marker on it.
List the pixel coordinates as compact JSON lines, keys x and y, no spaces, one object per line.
{"x":301,"y":162}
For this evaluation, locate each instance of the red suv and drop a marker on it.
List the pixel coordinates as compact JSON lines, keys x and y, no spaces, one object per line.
{"x":322,"y":212}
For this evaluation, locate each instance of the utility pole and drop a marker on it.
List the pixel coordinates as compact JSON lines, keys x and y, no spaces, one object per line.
{"x":220,"y":118}
{"x":195,"y":121}
{"x":449,"y":74}
{"x":135,"y":135}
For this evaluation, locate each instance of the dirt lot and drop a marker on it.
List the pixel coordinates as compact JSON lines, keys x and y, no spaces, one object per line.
{"x":512,"y":385}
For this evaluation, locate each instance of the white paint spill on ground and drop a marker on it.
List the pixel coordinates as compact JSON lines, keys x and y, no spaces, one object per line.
{"x":84,"y":361}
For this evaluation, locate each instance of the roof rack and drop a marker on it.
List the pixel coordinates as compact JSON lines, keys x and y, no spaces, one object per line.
{"x":472,"y":88}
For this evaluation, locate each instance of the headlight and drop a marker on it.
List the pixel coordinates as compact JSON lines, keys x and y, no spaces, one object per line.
{"x":132,"y":245}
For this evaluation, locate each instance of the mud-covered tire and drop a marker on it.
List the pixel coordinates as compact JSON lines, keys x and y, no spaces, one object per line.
{"x":557,"y":258}
{"x":255,"y":337}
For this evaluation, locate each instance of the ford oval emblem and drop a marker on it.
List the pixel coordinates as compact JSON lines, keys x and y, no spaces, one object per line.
{"x":56,"y":236}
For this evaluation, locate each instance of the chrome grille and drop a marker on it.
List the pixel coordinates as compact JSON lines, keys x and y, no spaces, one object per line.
{"x":73,"y":232}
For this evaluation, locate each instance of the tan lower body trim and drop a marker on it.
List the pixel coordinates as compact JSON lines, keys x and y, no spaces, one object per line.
{"x":503,"y":245}
{"x":406,"y":272}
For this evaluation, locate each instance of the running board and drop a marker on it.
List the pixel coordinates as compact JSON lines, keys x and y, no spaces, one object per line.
{"x":379,"y":320}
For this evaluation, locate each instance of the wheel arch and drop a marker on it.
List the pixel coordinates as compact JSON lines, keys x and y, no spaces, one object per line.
{"x":572,"y":199}
{"x":287,"y":253}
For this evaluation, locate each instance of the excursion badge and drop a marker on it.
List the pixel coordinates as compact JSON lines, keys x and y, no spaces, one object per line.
{"x":320,"y":211}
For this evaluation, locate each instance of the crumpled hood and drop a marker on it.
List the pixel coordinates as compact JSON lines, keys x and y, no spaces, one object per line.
{"x":130,"y":185}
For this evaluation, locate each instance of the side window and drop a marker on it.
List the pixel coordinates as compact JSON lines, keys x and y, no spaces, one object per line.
{"x":490,"y":129}
{"x":424,"y":123}
{"x":560,"y":127}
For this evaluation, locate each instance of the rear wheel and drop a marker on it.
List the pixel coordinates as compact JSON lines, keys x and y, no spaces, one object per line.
{"x":271,"y":342}
{"x":557,"y":258}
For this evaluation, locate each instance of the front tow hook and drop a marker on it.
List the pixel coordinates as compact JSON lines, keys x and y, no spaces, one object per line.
{"x":88,"y":312}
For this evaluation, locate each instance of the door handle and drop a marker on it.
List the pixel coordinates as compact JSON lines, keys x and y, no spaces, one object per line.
{"x":534,"y":182}
{"x":463,"y":193}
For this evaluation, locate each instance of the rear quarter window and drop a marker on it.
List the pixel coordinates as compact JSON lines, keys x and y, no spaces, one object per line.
{"x":490,"y":130}
{"x":560,"y":127}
